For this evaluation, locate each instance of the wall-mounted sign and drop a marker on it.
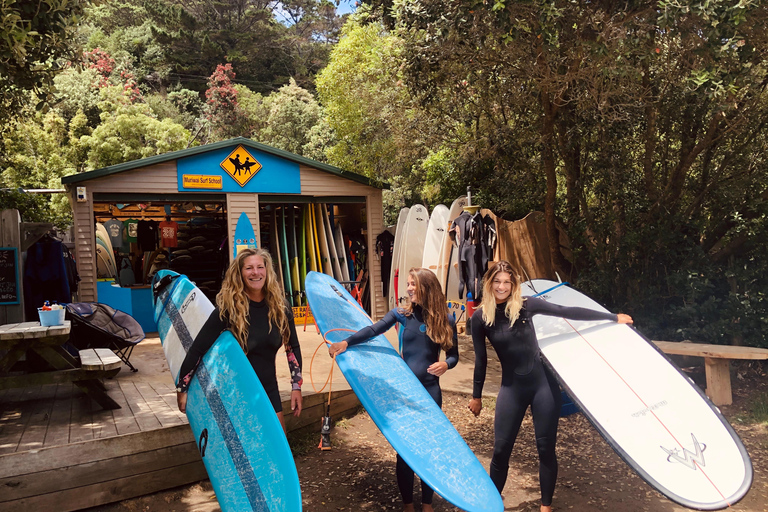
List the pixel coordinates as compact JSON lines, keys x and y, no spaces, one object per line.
{"x":9,"y":276}
{"x":201,"y":181}
{"x":241,"y":165}
{"x":238,"y":168}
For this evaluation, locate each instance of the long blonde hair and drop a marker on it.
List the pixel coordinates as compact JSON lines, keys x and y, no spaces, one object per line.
{"x":514,"y":301}
{"x":233,"y":302}
{"x":433,"y":305}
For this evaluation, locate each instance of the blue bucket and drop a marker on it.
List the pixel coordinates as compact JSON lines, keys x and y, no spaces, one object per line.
{"x":52,"y":317}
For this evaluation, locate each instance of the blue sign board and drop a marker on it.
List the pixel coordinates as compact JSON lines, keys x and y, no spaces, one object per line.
{"x":238,"y":168}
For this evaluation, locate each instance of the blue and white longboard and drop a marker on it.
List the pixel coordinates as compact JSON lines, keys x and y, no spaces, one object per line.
{"x":651,"y":414}
{"x":240,"y":438}
{"x":245,"y":237}
{"x":399,"y":404}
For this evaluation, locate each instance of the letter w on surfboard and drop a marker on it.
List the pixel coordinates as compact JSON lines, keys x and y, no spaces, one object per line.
{"x":398,"y":403}
{"x":239,"y":437}
{"x":651,"y":414}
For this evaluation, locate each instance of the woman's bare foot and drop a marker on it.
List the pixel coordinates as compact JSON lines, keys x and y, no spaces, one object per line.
{"x":409,"y":508}
{"x":426,"y":507}
{"x":546,"y":508}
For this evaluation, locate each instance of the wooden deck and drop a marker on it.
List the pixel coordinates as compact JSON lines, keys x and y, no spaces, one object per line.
{"x":61,"y":451}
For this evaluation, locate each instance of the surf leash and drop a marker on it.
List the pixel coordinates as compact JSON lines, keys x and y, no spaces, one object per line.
{"x":325,"y":422}
{"x":550,"y":289}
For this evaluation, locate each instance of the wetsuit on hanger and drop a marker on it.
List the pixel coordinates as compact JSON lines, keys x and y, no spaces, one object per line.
{"x":525,"y":380}
{"x":418,"y":352}
{"x":467,"y":231}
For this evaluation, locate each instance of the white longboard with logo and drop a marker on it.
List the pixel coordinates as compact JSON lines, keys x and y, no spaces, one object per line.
{"x":650,"y":413}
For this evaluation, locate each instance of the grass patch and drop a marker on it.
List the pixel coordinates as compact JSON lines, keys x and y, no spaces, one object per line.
{"x":303,"y":442}
{"x":759,"y":408}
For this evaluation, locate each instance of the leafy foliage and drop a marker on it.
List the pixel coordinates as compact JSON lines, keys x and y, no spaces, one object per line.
{"x":640,"y":126}
{"x":36,"y":38}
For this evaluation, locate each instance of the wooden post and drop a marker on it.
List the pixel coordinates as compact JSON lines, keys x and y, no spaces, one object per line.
{"x":718,"y":373}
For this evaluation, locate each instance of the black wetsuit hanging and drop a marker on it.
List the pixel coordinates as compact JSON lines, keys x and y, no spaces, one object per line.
{"x":468,"y":233}
{"x":385,"y":245}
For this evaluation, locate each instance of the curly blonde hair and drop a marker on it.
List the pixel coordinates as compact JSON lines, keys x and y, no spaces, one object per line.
{"x":233,"y":302}
{"x":433,"y":305}
{"x":514,"y":301}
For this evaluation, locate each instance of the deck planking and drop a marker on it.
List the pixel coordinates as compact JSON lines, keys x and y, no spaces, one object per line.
{"x":61,"y":451}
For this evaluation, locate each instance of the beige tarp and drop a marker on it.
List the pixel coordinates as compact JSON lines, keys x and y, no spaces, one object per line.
{"x":524,"y":244}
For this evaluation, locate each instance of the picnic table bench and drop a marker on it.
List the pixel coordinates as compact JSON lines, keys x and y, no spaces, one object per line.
{"x":18,"y":339}
{"x":717,"y":367}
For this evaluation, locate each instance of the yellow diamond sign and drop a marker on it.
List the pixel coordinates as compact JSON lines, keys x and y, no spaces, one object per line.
{"x":241,"y":165}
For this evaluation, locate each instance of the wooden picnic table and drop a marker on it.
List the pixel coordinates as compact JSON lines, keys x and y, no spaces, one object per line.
{"x":18,"y":339}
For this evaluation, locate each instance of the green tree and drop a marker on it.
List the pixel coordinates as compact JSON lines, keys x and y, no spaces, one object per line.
{"x":293,"y":113}
{"x":128,"y":131}
{"x":36,"y":39}
{"x":644,"y":122}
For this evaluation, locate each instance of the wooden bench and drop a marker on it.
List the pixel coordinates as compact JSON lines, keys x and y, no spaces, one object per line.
{"x":96,"y":364}
{"x":717,"y":365}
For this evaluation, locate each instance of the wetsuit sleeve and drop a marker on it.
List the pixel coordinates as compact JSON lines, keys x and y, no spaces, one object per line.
{"x":208,"y":334}
{"x":293,"y":353}
{"x":481,"y":353}
{"x":452,"y":356}
{"x":373,"y":330}
{"x":536,"y":306}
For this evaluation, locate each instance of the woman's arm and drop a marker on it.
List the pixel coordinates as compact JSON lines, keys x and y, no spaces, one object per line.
{"x":293,"y":354}
{"x":481,"y":362}
{"x":204,"y":340}
{"x":538,"y":306}
{"x":366,"y":333}
{"x":451,"y":356}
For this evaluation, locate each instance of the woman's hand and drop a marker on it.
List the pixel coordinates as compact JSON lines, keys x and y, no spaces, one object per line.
{"x":624,"y":319}
{"x":476,"y":405}
{"x":296,"y":402}
{"x":337,"y":348}
{"x":181,"y":400}
{"x":438,"y":368}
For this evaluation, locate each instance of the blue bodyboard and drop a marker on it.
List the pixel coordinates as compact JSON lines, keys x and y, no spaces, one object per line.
{"x":399,"y":404}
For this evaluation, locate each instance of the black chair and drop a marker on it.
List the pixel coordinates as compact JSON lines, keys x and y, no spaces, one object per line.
{"x":96,"y":325}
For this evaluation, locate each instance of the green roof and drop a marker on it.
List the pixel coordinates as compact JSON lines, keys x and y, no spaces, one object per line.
{"x":183,"y":153}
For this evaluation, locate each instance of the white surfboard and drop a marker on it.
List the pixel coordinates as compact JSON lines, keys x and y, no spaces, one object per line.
{"x":412,"y":248}
{"x":435,"y":230}
{"x":651,"y":414}
{"x":332,"y":246}
{"x":448,"y":268}
{"x":341,"y":253}
{"x":402,"y":218}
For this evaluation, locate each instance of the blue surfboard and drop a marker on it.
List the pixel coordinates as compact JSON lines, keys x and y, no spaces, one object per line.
{"x":245,"y":237}
{"x":239,"y":436}
{"x":399,"y":404}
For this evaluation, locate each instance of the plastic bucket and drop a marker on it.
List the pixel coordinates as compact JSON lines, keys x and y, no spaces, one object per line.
{"x":52,"y":317}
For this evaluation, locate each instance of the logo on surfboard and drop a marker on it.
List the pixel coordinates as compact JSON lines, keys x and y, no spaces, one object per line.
{"x":688,"y":458}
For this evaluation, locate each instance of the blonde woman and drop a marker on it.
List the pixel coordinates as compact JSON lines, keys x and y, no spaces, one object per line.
{"x":427,"y":330}
{"x":504,"y":317}
{"x":251,"y":304}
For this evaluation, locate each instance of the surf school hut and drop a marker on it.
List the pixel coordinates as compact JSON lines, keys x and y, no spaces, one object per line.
{"x":180,"y":210}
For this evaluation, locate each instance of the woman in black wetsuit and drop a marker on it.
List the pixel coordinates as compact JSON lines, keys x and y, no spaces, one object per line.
{"x":251,"y":304}
{"x":505,"y":319}
{"x":427,"y":329}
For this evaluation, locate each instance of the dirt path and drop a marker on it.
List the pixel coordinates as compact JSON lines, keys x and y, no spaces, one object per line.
{"x":358,"y":473}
